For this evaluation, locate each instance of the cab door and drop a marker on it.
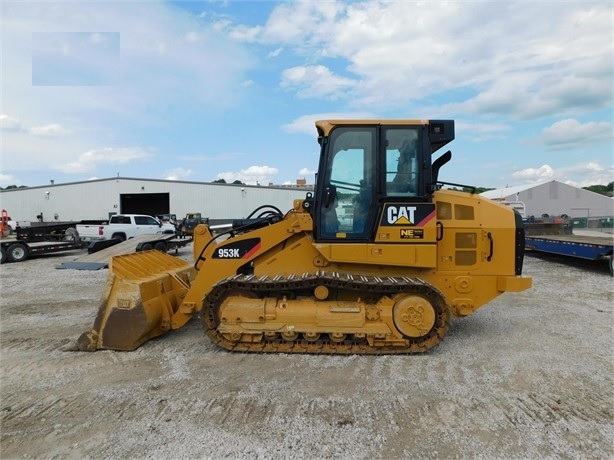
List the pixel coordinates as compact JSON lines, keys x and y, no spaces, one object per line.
{"x":347,"y":189}
{"x":146,"y":224}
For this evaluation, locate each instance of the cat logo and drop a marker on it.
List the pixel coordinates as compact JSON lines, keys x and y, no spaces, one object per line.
{"x":400,"y":215}
{"x":408,"y":215}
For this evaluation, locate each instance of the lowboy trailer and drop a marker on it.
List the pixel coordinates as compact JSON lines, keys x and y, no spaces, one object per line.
{"x":578,"y":246}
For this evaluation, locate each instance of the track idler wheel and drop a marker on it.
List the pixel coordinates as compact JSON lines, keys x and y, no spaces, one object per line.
{"x":423,"y":319}
{"x":414,"y":316}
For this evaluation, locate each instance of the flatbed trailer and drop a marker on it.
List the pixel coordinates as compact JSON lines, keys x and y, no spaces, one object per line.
{"x":586,"y":247}
{"x":50,"y":231}
{"x":164,"y":243}
{"x":161,"y":241}
{"x":14,"y":250}
{"x":40,"y":238}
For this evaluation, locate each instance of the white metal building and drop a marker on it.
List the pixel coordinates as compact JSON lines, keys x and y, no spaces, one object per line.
{"x":556,"y":198}
{"x":98,"y":199}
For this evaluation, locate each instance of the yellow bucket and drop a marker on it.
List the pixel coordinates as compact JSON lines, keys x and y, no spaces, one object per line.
{"x":143,"y":291}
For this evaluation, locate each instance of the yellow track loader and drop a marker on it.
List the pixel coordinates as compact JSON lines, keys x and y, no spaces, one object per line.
{"x":375,"y":260}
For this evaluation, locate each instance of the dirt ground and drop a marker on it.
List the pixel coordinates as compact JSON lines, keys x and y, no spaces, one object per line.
{"x":528,"y":376}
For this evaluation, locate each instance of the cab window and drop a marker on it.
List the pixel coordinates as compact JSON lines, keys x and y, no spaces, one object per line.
{"x":401,"y":162}
{"x":349,"y":180}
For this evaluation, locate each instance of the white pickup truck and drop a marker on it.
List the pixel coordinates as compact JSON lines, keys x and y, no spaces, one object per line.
{"x":124,"y":227}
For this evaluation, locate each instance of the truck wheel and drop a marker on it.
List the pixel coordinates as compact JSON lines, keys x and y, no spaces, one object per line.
{"x":17,"y":252}
{"x":612,"y":264}
{"x":146,"y":247}
{"x":160,"y":246}
{"x":3,"y":255}
{"x":119,"y":236}
{"x":71,"y":234}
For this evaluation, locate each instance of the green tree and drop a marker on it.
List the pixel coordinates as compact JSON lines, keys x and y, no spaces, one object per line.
{"x":601,"y":189}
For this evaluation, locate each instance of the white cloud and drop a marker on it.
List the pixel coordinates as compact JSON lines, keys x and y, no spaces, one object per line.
{"x":585,"y":174}
{"x":172,"y":65}
{"x":578,"y":174}
{"x":179,"y":174}
{"x":167,"y":60}
{"x":252,"y":176}
{"x":51,"y":130}
{"x":239,"y":33}
{"x":88,"y":161}
{"x":306,"y":124}
{"x":396,"y":52}
{"x":8,"y":123}
{"x":306,"y":172}
{"x":183,"y":76}
{"x":481,"y":132}
{"x":193,"y":37}
{"x":315,"y":81}
{"x":8,"y":179}
{"x":12,"y":124}
{"x":276,"y":52}
{"x":301,"y":23}
{"x":530,"y":175}
{"x":570,"y":134}
{"x":75,"y":58}
{"x":592,"y":166}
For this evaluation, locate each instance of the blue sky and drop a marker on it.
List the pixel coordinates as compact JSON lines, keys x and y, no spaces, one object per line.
{"x":203,"y":90}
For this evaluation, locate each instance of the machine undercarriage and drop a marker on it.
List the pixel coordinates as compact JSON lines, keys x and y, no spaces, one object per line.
{"x":325,"y":313}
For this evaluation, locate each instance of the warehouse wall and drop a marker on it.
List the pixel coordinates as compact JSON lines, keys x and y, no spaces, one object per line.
{"x":556,"y":198}
{"x":97,"y":199}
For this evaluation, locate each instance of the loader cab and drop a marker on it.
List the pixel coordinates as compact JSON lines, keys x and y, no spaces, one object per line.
{"x":364,"y":164}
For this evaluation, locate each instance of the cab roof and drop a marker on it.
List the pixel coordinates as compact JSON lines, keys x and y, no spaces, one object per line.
{"x":325,"y":126}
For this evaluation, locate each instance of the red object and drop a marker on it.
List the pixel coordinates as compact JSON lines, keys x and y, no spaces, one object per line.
{"x":3,"y":221}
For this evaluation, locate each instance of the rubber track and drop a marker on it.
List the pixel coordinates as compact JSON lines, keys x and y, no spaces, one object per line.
{"x":366,"y":286}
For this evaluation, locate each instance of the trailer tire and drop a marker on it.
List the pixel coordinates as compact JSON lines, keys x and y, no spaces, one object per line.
{"x":160,"y":246}
{"x":611,"y":264}
{"x":17,"y":252}
{"x":147,"y":247}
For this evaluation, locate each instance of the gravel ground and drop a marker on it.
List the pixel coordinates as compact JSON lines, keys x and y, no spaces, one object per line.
{"x":528,"y":376}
